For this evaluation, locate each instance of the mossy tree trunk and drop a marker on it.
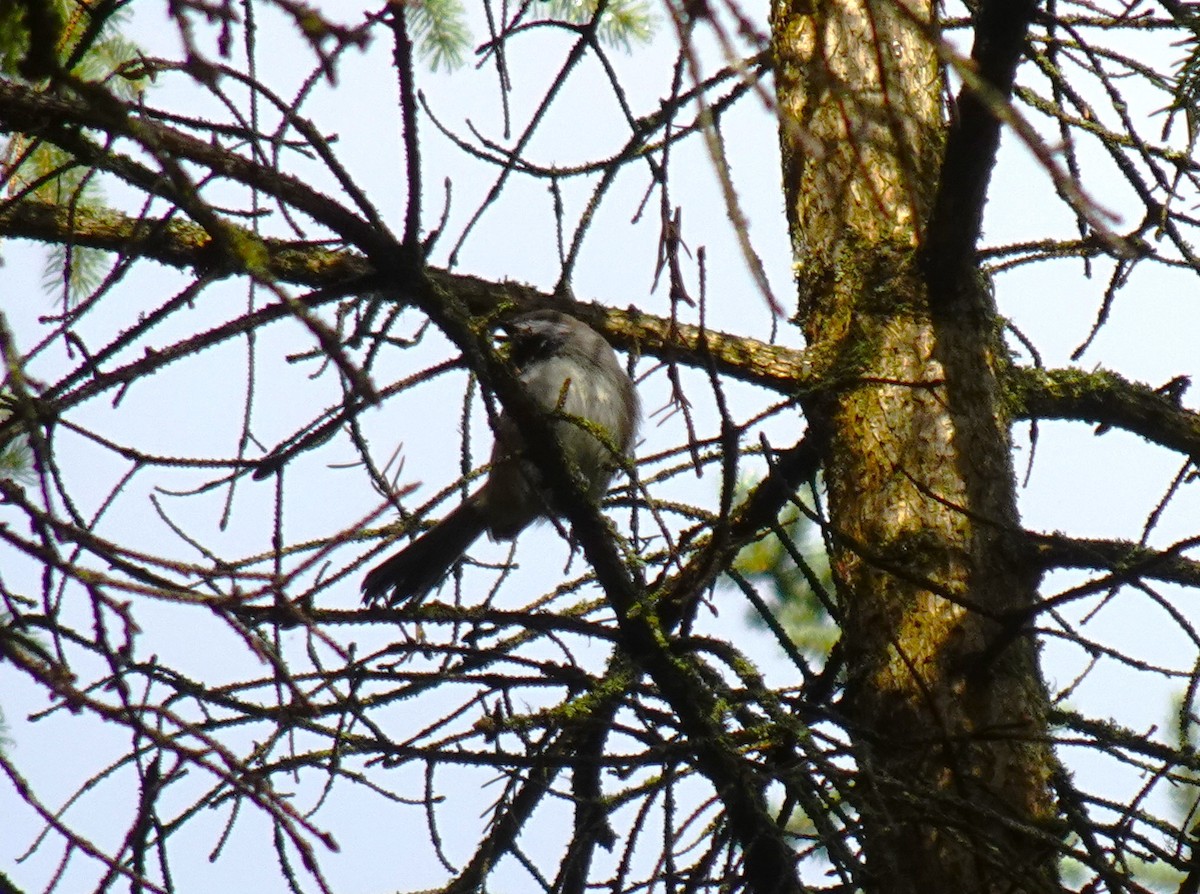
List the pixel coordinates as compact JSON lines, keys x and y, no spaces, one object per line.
{"x":947,"y":709}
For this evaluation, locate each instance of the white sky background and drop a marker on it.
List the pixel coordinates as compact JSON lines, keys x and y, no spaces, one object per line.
{"x":1081,"y":484}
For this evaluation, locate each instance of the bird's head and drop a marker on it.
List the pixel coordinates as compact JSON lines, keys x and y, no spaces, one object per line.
{"x":543,"y":333}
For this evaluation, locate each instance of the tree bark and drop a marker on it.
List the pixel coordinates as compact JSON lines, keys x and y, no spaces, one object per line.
{"x":947,"y":708}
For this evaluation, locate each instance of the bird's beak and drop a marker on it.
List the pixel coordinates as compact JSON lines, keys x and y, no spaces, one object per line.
{"x":503,"y":337}
{"x":506,"y":329}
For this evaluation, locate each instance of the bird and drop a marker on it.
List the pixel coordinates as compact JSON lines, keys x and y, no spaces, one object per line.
{"x":568,"y":369}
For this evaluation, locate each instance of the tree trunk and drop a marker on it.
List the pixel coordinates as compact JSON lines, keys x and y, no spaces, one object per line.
{"x":947,"y":708}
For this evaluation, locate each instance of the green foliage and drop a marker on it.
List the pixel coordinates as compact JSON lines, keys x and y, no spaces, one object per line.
{"x":625,"y":22}
{"x":52,"y":176}
{"x":16,"y":457}
{"x":45,"y":171}
{"x":66,"y":23}
{"x":16,"y":461}
{"x":1186,"y":793}
{"x":440,"y":31}
{"x":1186,"y":93}
{"x":31,"y":36}
{"x":793,"y":571}
{"x":111,"y":60}
{"x":14,"y":37}
{"x":443,"y":38}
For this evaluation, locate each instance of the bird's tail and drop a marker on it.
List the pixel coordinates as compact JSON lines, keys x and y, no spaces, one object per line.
{"x":418,"y":569}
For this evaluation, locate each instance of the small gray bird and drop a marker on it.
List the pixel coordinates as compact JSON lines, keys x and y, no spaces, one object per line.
{"x":567,"y":368}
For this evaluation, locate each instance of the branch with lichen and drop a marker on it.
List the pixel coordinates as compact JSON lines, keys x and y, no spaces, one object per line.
{"x":1099,"y":397}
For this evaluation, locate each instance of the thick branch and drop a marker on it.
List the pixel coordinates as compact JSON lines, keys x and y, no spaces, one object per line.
{"x":1104,"y":398}
{"x":1098,"y":397}
{"x":1130,"y":561}
{"x":971,"y":147}
{"x":790,"y":470}
{"x":182,"y":244}
{"x":175,"y":242}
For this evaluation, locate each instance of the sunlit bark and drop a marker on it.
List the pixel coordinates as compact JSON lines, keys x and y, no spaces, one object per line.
{"x":948,"y":710}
